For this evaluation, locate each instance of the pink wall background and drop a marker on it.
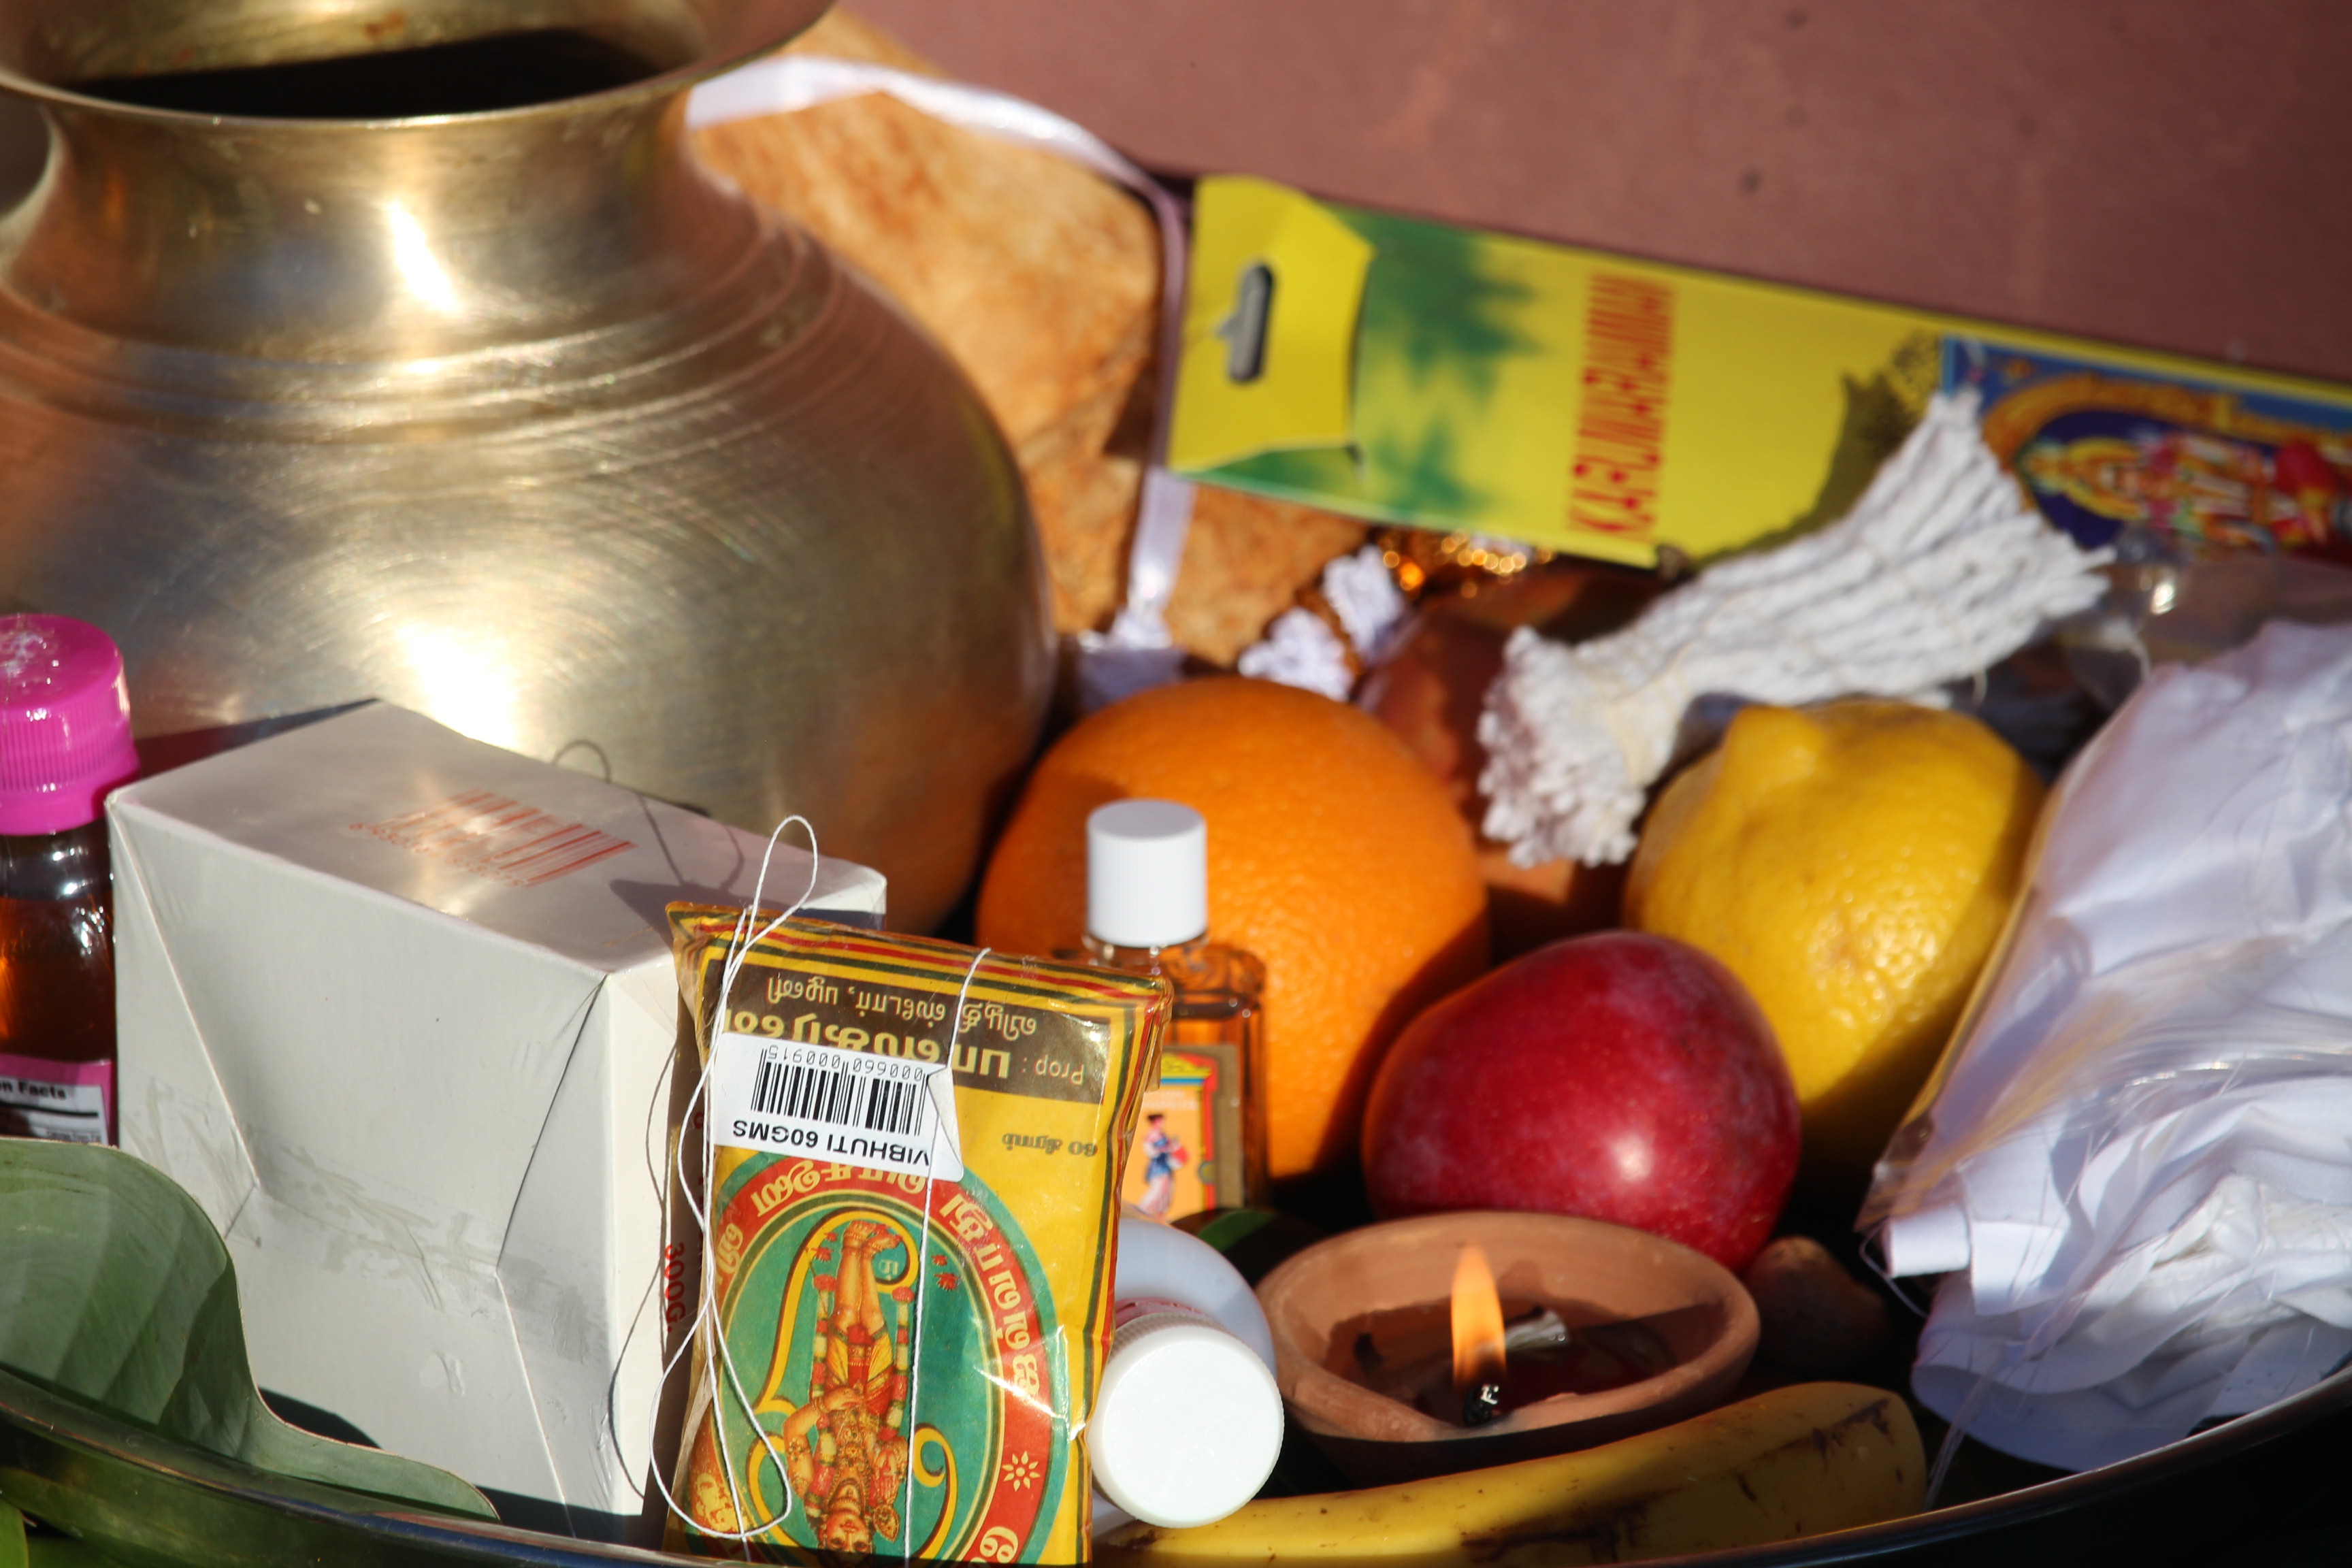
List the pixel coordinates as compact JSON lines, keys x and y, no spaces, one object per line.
{"x":2170,"y":173}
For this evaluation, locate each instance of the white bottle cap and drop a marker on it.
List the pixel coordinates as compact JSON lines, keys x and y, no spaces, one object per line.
{"x":1188,"y":1422}
{"x":1147,"y":873}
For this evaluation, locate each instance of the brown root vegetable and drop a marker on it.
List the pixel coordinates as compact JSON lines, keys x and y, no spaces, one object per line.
{"x":1817,"y":1320}
{"x":1430,"y":694}
{"x":1528,"y":907}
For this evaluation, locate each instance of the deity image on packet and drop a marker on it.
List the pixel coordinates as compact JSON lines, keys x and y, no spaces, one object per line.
{"x":911,"y":1212}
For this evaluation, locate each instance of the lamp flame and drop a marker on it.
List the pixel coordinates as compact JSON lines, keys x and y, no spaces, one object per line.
{"x":1477,"y":1322}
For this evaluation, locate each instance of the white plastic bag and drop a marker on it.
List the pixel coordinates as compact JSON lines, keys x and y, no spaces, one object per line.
{"x":2134,"y":1164}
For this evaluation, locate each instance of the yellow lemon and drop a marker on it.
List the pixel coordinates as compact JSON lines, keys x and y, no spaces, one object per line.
{"x":1853,"y":863}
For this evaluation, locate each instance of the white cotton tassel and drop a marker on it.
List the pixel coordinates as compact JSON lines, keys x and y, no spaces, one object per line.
{"x":1941,"y":570}
{"x":1365,"y":598}
{"x":1300,"y":649}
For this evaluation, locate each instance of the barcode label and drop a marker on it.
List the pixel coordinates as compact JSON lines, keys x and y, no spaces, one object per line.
{"x":838,"y":1097}
{"x":791,"y":1097}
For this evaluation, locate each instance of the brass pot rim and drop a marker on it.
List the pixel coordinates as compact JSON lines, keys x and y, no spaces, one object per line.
{"x":792,"y":17}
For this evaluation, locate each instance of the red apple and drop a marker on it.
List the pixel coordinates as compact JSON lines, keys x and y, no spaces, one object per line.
{"x":1619,"y":1076}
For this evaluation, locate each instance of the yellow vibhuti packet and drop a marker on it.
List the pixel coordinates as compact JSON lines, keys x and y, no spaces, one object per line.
{"x":915,"y":1158}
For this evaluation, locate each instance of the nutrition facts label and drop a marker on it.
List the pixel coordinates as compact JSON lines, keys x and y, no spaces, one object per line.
{"x":69,"y":1102}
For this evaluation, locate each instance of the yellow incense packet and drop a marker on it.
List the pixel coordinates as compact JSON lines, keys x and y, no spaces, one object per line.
{"x":915,"y":1160}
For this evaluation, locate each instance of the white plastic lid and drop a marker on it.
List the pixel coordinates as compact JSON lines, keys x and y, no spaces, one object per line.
{"x":1147,"y":873}
{"x":1188,"y":1422}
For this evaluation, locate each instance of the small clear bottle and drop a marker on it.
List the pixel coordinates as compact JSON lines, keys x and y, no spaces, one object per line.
{"x":65,"y":741}
{"x":1148,"y":913}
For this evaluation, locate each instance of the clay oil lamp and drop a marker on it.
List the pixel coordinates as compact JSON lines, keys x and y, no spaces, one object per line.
{"x":1455,"y":1341}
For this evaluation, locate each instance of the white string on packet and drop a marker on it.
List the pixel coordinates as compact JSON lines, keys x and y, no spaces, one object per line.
{"x":693,"y":1186}
{"x":1138,"y":652}
{"x":694,"y":1190}
{"x":1941,"y":570}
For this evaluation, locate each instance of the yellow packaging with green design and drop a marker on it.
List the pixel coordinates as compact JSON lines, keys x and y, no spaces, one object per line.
{"x":1419,"y":373}
{"x":915,"y":1152}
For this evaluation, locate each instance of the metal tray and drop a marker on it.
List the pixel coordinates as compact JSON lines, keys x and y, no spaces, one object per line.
{"x":2260,"y":1489}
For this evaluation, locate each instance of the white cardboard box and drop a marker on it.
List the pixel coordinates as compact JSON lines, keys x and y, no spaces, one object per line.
{"x":396,"y":1008}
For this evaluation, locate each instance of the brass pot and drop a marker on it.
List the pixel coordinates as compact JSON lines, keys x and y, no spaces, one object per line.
{"x":397,"y":348}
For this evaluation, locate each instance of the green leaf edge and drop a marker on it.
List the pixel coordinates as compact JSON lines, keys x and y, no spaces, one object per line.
{"x":119,"y":1295}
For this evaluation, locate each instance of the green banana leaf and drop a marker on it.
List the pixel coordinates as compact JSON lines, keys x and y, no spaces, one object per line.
{"x":116,"y":1294}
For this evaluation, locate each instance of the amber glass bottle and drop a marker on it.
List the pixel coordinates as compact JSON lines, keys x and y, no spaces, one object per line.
{"x":65,"y":741}
{"x":1201,"y":1141}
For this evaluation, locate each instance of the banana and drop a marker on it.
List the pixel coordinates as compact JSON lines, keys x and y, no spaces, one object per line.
{"x":1795,"y":1461}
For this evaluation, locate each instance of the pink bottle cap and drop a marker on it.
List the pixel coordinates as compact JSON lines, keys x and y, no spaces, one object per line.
{"x":64,"y":723}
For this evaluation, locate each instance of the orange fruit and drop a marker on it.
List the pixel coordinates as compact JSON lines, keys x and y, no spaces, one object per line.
{"x":1333,"y":856}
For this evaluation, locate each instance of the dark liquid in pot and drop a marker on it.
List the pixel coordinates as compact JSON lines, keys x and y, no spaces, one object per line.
{"x":469,"y":77}
{"x":1407,"y":1353}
